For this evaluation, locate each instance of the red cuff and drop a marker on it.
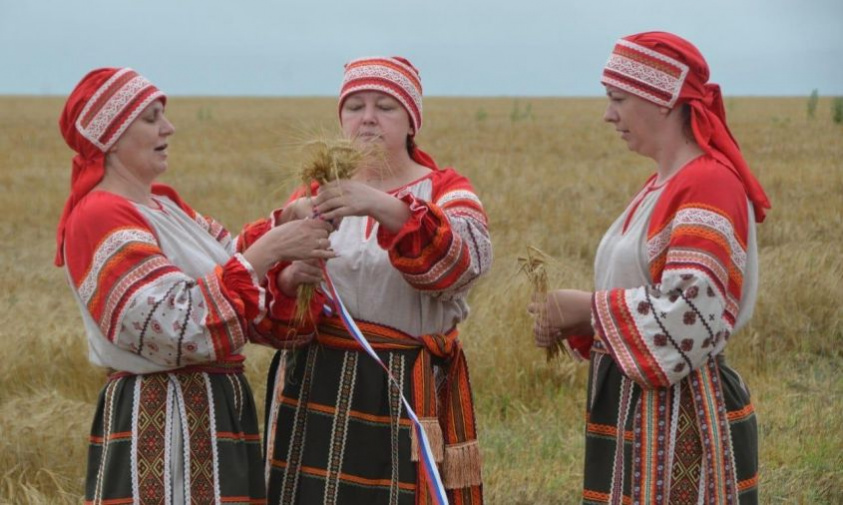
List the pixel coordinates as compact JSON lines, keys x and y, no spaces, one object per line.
{"x":283,"y":307}
{"x":418,"y":211}
{"x":243,"y":288}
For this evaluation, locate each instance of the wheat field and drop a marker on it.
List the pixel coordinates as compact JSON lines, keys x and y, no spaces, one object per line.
{"x":551,"y":175}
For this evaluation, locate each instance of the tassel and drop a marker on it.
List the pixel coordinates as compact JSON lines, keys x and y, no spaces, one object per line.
{"x":462,"y":465}
{"x":434,"y":437}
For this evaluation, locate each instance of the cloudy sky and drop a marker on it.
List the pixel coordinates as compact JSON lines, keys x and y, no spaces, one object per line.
{"x":462,"y":47}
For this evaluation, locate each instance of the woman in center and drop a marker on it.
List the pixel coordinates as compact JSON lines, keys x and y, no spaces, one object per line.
{"x":412,"y":241}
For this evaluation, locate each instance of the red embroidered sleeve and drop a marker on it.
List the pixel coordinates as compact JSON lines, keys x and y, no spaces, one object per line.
{"x":444,"y":247}
{"x":697,"y":253}
{"x":142,"y":302}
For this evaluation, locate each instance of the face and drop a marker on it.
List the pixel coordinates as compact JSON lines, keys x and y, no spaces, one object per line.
{"x":142,"y":149}
{"x":372,"y":116}
{"x":638,"y":121}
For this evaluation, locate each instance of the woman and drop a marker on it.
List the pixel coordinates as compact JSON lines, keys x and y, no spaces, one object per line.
{"x":668,"y":421}
{"x":167,"y":302}
{"x":412,"y":241}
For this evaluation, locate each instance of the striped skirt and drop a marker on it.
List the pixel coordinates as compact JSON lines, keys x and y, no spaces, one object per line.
{"x":170,"y":438}
{"x":337,"y":433}
{"x":694,"y":442}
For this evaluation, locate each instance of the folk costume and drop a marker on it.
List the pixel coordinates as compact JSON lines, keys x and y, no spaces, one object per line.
{"x":337,"y":431}
{"x":676,"y":275}
{"x":167,"y":304}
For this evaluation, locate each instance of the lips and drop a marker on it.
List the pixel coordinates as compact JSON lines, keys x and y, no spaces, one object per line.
{"x":161,"y":148}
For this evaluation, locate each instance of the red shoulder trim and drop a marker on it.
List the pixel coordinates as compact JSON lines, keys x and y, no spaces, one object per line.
{"x":170,"y":192}
{"x":95,"y":217}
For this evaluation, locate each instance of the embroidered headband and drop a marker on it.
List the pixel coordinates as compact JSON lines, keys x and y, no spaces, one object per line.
{"x":394,"y":76}
{"x":645,"y":72}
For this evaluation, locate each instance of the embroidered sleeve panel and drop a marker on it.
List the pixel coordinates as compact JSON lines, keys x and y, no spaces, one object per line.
{"x":697,"y":251}
{"x":142,"y":302}
{"x":444,"y":247}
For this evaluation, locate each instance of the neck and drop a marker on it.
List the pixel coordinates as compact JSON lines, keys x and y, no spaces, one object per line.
{"x":120,"y":182}
{"x":671,"y":159}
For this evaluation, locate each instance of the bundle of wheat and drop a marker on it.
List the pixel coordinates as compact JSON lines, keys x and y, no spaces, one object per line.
{"x":534,"y":266}
{"x":326,"y":160}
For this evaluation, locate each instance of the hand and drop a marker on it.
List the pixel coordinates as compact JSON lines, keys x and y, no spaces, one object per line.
{"x":560,"y":314}
{"x":297,"y":273}
{"x":347,"y":198}
{"x":338,"y":199}
{"x":300,"y":208}
{"x":302,"y":239}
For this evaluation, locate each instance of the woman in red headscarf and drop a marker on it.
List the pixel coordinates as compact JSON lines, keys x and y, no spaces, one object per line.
{"x":412,"y":242}
{"x":168,"y":299}
{"x":676,"y":275}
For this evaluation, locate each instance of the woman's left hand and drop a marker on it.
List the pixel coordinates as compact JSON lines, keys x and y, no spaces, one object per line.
{"x":561,"y":314}
{"x":338,"y":199}
{"x":300,"y":208}
{"x":298,"y":273}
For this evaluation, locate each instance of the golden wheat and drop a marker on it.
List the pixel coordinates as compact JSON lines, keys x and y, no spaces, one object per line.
{"x":554,"y":180}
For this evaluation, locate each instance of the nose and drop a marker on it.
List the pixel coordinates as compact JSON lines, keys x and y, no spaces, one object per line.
{"x":369,"y":116}
{"x":610,"y":115}
{"x":167,"y":127}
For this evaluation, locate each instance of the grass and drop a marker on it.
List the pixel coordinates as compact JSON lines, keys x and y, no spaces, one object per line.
{"x":555,"y":182}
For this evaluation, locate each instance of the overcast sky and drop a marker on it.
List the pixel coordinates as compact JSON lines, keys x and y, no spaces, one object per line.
{"x":462,"y":47}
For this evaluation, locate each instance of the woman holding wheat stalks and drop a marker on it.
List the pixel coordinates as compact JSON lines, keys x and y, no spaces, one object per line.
{"x":668,"y":421}
{"x":412,"y":241}
{"x":168,"y":300}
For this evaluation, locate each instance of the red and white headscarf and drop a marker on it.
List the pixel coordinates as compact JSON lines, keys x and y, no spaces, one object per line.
{"x":394,"y":76}
{"x":97,"y":112}
{"x":668,"y":70}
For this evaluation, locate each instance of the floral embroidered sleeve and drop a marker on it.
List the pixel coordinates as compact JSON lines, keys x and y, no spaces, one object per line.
{"x":142,"y":302}
{"x":444,"y":247}
{"x":697,"y":253}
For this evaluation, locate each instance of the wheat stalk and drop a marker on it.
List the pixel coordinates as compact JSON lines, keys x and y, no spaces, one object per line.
{"x":534,"y":267}
{"x":328,"y":160}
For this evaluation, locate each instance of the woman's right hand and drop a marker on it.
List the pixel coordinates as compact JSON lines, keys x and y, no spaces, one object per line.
{"x":559,"y":314}
{"x":300,"y":239}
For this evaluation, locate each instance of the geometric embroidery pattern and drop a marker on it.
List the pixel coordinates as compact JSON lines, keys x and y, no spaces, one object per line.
{"x":151,"y":419}
{"x":687,"y":455}
{"x":296,"y":452}
{"x":646,"y":73}
{"x":200,"y":439}
{"x":339,"y":431}
{"x":396,"y":367}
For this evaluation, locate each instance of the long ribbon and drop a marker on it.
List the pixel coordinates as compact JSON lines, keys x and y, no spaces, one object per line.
{"x":426,"y":457}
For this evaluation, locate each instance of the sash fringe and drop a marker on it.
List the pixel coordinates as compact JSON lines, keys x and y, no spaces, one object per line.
{"x":462,"y":464}
{"x":434,"y":437}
